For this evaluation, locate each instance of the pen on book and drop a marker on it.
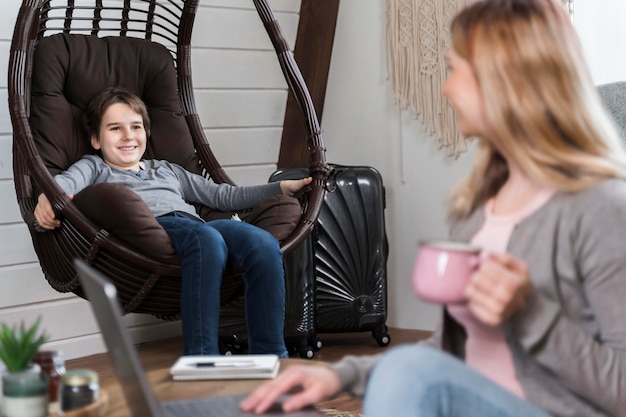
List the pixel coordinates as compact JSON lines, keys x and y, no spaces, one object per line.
{"x":239,"y":364}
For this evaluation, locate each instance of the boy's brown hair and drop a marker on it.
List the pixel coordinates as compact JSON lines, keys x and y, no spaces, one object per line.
{"x":109,"y":96}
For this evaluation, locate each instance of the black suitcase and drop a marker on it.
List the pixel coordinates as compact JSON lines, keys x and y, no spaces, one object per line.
{"x":350,"y":253}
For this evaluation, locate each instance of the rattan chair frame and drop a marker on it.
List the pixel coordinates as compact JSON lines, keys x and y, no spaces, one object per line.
{"x":145,"y":285}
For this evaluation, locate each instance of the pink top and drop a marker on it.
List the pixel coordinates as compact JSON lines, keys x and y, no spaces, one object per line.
{"x":486,"y":350}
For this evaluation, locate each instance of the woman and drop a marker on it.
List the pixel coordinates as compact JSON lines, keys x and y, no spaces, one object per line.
{"x":542,"y":331}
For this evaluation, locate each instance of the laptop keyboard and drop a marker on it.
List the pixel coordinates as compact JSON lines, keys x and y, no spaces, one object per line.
{"x":224,"y":407}
{"x":196,"y":407}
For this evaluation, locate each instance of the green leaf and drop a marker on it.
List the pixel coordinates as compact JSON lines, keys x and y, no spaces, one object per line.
{"x":19,"y":345}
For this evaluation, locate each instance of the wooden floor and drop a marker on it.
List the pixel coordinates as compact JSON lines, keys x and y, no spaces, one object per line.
{"x":162,"y":354}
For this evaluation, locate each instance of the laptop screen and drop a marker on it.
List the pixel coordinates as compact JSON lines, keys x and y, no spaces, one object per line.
{"x":130,"y":373}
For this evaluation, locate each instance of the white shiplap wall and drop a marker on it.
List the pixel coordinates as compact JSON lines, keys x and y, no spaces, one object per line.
{"x":240,"y":96}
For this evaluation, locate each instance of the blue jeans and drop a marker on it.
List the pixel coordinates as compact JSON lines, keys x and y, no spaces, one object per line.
{"x":204,"y":249}
{"x":420,"y":381}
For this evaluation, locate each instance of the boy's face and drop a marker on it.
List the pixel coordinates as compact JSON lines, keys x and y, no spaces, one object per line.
{"x":122,"y":137}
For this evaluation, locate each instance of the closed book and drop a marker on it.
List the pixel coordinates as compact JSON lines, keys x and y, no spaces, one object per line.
{"x":198,"y":367}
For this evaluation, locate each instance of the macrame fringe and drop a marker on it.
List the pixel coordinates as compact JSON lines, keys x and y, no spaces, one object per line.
{"x":418,"y":39}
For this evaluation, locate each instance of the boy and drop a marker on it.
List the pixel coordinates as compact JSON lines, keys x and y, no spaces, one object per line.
{"x":118,"y":125}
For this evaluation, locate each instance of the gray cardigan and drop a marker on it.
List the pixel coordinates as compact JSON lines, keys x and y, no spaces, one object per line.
{"x":569,"y":343}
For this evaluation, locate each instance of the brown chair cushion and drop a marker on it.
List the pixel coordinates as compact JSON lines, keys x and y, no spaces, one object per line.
{"x":279,"y":215}
{"x":69,"y":70}
{"x":121,"y":212}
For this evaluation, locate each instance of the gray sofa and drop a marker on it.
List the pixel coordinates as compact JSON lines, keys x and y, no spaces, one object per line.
{"x":614,"y":98}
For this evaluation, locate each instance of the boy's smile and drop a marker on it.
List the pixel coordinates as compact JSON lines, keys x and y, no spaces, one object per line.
{"x":121,"y":137}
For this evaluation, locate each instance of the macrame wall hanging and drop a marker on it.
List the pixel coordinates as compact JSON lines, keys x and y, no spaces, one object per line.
{"x":418,"y":38}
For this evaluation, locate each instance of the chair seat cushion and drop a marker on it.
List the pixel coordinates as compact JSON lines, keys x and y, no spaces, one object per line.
{"x":279,"y":215}
{"x":122,"y":213}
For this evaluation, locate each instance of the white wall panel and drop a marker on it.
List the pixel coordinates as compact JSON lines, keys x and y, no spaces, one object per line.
{"x":275,"y":5}
{"x":219,"y":109}
{"x":8,"y":17}
{"x":56,"y":316}
{"x":61,"y":312}
{"x":26,"y":284}
{"x":9,"y":210}
{"x":245,"y":146}
{"x":239,"y":29}
{"x":77,"y":347}
{"x":223,"y":69}
{"x":6,"y":156}
{"x":250,"y":174}
{"x":15,"y":245}
{"x":5,"y":119}
{"x":5,"y":46}
{"x":93,"y":343}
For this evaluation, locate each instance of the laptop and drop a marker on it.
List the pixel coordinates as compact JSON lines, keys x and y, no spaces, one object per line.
{"x":140,"y":398}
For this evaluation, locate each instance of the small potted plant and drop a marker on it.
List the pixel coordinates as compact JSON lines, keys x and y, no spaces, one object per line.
{"x":24,"y":386}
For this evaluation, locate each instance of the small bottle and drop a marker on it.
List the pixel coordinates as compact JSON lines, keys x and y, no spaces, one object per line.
{"x":79,"y":388}
{"x":52,"y":363}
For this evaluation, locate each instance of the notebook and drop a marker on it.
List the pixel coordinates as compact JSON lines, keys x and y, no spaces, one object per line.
{"x":225,"y":367}
{"x":130,"y":373}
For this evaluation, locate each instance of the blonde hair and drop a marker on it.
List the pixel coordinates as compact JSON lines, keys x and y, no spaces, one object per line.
{"x":540,"y":102}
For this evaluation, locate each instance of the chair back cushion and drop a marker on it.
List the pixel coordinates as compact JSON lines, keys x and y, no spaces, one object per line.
{"x":69,"y":70}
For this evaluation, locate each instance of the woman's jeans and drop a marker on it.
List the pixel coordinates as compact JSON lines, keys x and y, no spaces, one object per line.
{"x":421,"y":381}
{"x":204,"y":249}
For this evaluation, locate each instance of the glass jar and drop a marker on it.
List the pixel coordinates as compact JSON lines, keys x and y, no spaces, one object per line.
{"x":52,"y":363}
{"x":25,"y":393}
{"x":78,"y":389}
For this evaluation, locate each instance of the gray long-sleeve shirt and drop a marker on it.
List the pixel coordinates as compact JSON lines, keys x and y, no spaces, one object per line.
{"x":165,"y":186}
{"x":569,"y":342}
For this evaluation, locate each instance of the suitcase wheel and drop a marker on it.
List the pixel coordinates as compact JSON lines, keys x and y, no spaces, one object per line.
{"x":317,"y":344}
{"x":305,"y":352}
{"x":381,"y":335}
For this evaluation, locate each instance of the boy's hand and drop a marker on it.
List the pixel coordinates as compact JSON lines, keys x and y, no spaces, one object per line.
{"x":44,"y":214}
{"x":291,"y":187}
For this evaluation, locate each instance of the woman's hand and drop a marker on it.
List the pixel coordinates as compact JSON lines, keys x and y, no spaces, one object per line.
{"x":291,"y":187}
{"x":498,"y":289}
{"x":316,"y":382}
{"x":44,"y":214}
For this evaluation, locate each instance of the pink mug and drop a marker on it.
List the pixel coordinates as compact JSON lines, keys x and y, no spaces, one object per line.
{"x":443,"y":269}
